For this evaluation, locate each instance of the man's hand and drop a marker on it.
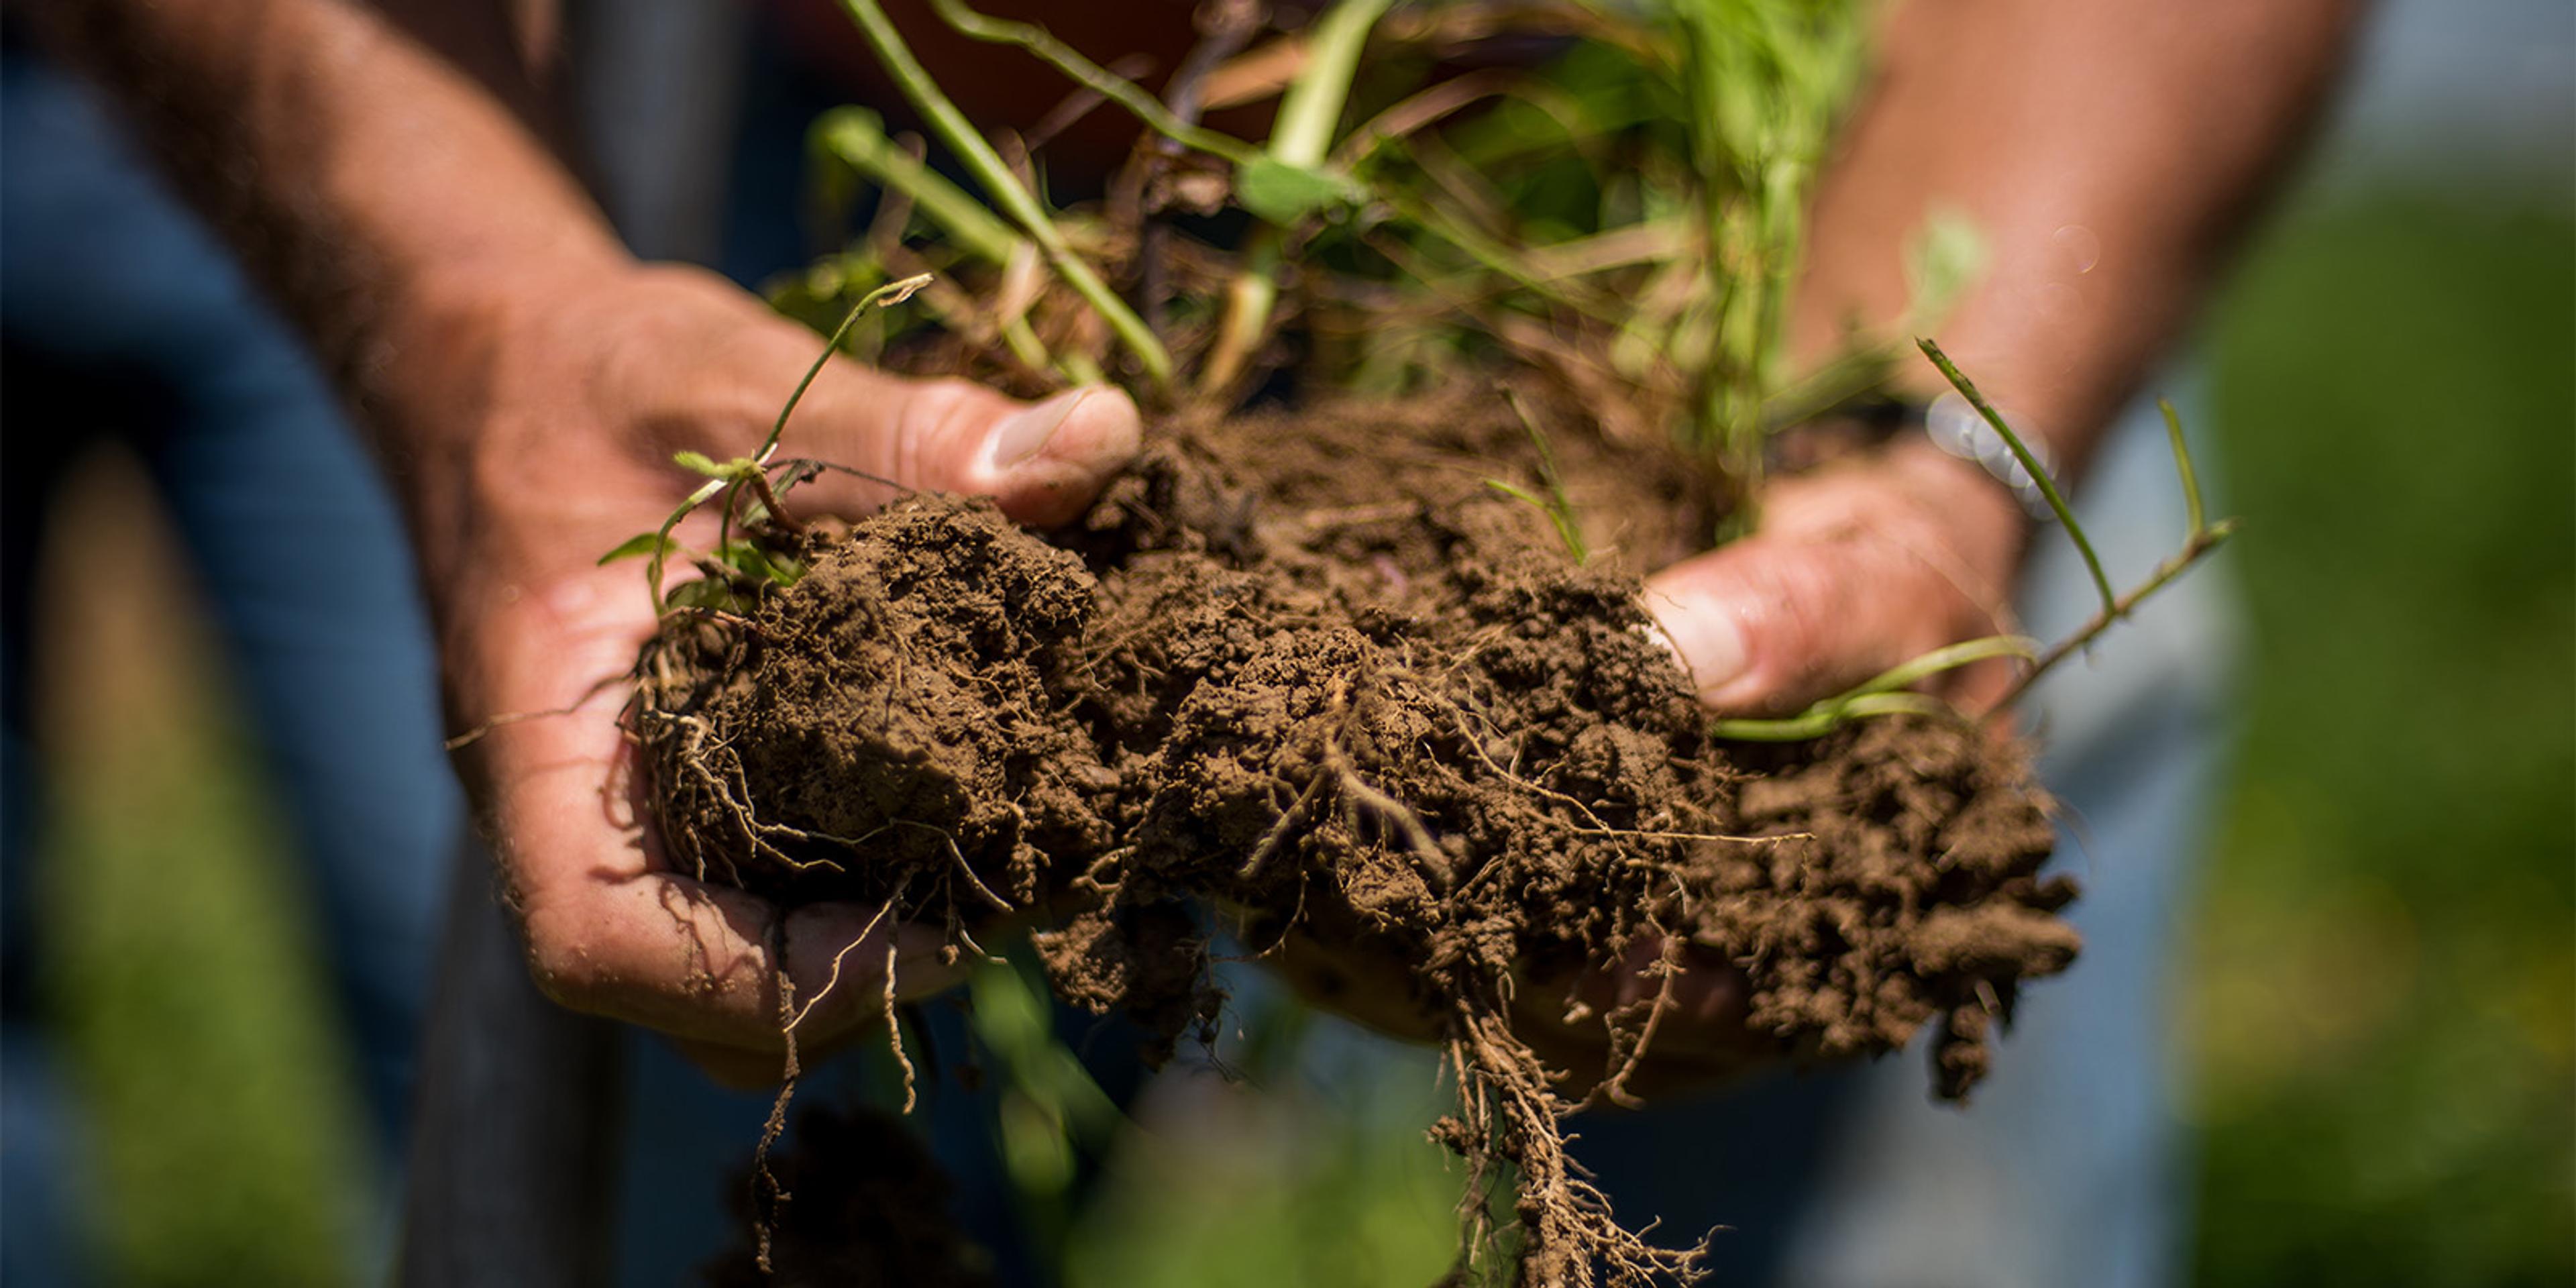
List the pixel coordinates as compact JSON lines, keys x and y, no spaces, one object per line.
{"x":561,"y":403}
{"x":1856,"y":568}
{"x":528,"y":383}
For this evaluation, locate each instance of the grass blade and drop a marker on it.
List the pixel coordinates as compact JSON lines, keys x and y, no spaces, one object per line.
{"x":1004,"y":188}
{"x":2039,"y":476}
{"x":1042,"y":44}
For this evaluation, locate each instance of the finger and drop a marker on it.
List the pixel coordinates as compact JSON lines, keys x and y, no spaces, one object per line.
{"x":1853,"y":571}
{"x":706,"y":368}
{"x":719,"y":387}
{"x":1043,"y":461}
{"x":694,"y":960}
{"x":732,"y":1068}
{"x":848,"y":1009}
{"x":1706,"y":992}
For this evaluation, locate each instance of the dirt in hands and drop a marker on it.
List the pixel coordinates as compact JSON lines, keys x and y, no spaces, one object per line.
{"x":1312,"y":672}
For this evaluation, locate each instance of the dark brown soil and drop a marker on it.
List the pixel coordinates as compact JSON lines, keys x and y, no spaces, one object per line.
{"x":1311,"y":672}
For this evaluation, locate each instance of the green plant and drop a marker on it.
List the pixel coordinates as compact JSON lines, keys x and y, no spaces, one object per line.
{"x":1555,"y":505}
{"x":1627,"y":214}
{"x":734,"y":562}
{"x":1882,"y":695}
{"x":1886,"y":694}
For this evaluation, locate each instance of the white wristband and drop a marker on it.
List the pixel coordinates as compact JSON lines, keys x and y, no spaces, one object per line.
{"x":1956,"y":428}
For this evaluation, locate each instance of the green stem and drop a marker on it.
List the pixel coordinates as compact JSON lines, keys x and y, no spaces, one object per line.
{"x":1092,"y":76}
{"x":1860,"y":369}
{"x":1023,"y":342}
{"x":2201,"y":538}
{"x":1814,"y":723}
{"x":662,"y":538}
{"x":1946,"y":659}
{"x":1558,"y":507}
{"x":1249,"y":300}
{"x":2022,"y":453}
{"x":895,"y":292}
{"x":2202,"y":542}
{"x":1004,"y":188}
{"x":735,"y":473}
{"x":1573,"y":293}
{"x":1879,"y":695}
{"x":1312,"y":105}
{"x":2195,"y":520}
{"x":857,"y":136}
{"x":1301,"y":136}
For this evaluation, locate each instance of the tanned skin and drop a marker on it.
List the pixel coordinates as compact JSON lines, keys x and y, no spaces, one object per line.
{"x":386,"y":173}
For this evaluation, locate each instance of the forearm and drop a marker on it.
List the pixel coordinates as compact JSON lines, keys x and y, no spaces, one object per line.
{"x":2107,"y":151}
{"x":363,"y":176}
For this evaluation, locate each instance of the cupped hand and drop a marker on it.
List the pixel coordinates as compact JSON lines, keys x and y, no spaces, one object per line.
{"x":1855,"y":569}
{"x":558,"y":406}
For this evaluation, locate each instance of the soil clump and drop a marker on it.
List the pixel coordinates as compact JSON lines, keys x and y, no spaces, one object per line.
{"x":1311,"y":673}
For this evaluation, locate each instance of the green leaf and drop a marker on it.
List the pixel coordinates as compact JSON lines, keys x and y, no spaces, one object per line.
{"x":642,"y":543}
{"x":706,"y":592}
{"x":751,"y":560}
{"x":701,"y":463}
{"x":785,"y":571}
{"x":1280,"y":192}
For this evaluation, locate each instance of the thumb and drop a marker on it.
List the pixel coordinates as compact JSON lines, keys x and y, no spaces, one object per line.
{"x":1765,"y":626}
{"x":1042,"y":461}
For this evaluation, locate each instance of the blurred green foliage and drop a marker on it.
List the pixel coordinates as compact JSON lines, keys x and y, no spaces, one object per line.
{"x":1273,"y":1185}
{"x":225,"y":1145}
{"x":2382,"y":973}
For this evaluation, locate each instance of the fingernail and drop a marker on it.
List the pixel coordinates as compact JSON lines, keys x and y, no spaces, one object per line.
{"x":1704,"y":635}
{"x":1024,"y":434}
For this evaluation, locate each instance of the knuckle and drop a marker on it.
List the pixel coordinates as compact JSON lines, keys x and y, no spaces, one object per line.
{"x":1802,"y":601}
{"x":937,"y":433}
{"x":563,"y":962}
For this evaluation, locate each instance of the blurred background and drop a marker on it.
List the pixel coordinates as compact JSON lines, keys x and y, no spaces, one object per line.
{"x":2381,"y":989}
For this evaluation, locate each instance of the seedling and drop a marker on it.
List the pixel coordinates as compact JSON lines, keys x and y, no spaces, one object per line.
{"x":1882,"y":695}
{"x":1558,"y":509}
{"x":733,"y":480}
